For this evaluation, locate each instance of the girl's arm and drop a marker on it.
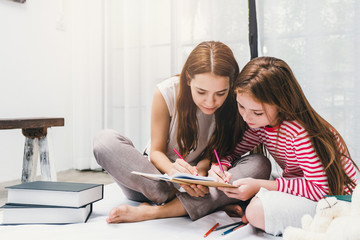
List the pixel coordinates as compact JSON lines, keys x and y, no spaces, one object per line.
{"x":249,"y":140}
{"x":313,"y":183}
{"x":308,"y":178}
{"x":247,"y":143}
{"x":303,"y":172}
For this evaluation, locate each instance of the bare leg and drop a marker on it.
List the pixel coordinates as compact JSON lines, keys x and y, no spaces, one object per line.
{"x":255,"y":213}
{"x":145,"y":211}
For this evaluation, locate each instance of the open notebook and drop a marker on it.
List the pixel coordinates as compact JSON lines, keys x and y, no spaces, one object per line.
{"x":184,"y":178}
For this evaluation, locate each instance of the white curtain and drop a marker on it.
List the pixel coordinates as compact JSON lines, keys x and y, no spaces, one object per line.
{"x":149,"y":41}
{"x":86,"y":25}
{"x":320,"y":41}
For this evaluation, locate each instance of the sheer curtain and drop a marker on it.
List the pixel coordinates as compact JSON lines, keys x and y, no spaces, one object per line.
{"x":149,"y":41}
{"x":320,"y":41}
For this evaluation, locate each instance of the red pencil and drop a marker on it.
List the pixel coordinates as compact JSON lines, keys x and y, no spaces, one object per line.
{"x":211,"y":229}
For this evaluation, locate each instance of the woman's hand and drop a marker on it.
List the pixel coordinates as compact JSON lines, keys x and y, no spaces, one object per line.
{"x":247,"y":187}
{"x":216,"y":172}
{"x":181,"y":166}
{"x":195,"y":190}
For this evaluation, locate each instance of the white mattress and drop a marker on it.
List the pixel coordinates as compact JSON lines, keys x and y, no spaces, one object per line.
{"x":96,"y":228}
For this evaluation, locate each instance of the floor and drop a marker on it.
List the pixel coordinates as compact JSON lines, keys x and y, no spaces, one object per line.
{"x":179,"y":228}
{"x":65,"y":176}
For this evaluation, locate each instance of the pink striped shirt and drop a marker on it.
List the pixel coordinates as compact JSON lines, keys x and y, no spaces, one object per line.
{"x":303,"y":173}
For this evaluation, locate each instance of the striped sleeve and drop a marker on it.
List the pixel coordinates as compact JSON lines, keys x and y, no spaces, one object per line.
{"x":313,"y":184}
{"x":347,"y":164}
{"x":247,"y":143}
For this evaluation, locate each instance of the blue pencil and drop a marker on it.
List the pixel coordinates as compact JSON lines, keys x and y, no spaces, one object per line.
{"x":229,"y":225}
{"x":233,"y":228}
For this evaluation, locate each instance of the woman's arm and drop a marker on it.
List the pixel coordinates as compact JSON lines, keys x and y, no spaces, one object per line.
{"x":160,"y":122}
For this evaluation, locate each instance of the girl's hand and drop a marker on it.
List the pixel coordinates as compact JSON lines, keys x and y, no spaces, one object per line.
{"x":247,"y":187}
{"x":181,"y":166}
{"x":195,"y":190}
{"x":215,"y":172}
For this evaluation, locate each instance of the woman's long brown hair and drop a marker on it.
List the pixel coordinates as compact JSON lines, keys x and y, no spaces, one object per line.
{"x":271,"y":81}
{"x":217,"y":58}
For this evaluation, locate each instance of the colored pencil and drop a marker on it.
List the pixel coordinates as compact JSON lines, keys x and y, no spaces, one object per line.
{"x":226,"y":226}
{"x":243,"y":225}
{"x":211,"y":229}
{"x":218,"y":160}
{"x":233,"y":228}
{"x":177,"y":153}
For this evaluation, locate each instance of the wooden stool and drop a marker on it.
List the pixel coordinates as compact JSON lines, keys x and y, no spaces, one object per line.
{"x":35,"y":131}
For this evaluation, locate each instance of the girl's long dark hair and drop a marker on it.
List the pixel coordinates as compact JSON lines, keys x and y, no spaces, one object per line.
{"x":217,"y":58}
{"x":271,"y":81}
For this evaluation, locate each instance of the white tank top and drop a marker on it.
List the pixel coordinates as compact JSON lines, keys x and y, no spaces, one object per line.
{"x":169,"y":90}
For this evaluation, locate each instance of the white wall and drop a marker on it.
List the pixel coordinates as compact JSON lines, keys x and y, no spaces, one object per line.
{"x":51,"y":66}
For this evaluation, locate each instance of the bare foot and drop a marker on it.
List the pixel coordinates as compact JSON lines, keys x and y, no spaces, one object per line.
{"x":127,"y":213}
{"x":145,"y":211}
{"x":233,"y":210}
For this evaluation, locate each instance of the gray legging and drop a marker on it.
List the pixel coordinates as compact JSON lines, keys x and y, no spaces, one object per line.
{"x":118,"y":156}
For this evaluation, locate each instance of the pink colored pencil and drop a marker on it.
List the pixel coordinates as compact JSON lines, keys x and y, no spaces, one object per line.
{"x":218,"y":160}
{"x":177,"y":153}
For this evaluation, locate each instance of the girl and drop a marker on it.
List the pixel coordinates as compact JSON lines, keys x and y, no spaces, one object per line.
{"x":312,"y":154}
{"x":193,"y":113}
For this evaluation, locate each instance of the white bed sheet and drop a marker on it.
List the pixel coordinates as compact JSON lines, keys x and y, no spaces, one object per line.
{"x":96,"y":228}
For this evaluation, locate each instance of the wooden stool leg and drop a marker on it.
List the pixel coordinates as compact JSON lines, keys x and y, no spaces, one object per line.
{"x":44,"y":159}
{"x":29,"y":164}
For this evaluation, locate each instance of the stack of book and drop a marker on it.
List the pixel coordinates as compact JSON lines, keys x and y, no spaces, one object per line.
{"x":45,"y":202}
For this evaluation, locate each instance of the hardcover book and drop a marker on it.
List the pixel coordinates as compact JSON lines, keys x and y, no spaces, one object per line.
{"x":65,"y":194}
{"x":40,"y":214}
{"x":184,"y":178}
